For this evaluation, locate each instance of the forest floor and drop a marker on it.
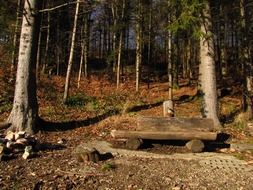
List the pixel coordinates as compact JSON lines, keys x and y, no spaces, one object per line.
{"x":94,"y":110}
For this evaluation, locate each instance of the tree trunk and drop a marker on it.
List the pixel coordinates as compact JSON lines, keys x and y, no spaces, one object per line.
{"x":70,"y":62}
{"x":207,"y":69}
{"x":169,"y":39}
{"x":138,"y":47}
{"x":45,"y":60}
{"x":84,"y":49}
{"x":120,"y":43}
{"x":119,"y":58}
{"x":24,"y":114}
{"x":15,"y":42}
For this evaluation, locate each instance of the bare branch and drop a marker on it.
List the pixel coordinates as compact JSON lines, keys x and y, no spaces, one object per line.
{"x":60,"y":6}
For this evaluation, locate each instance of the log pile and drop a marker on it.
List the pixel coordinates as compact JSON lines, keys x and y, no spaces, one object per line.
{"x":13,"y":143}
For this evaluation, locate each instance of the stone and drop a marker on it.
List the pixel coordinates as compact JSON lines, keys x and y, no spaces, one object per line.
{"x":10,"y":136}
{"x":86,"y":154}
{"x":28,"y":152}
{"x":195,"y":146}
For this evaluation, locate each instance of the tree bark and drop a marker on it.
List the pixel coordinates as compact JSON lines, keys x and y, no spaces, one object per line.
{"x":138,"y":47}
{"x":207,"y":69}
{"x":71,"y":54}
{"x":15,"y":42}
{"x":24,"y":114}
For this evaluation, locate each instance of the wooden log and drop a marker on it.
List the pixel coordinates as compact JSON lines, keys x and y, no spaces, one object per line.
{"x":172,"y":124}
{"x":133,"y":143}
{"x":195,"y":146}
{"x":159,"y":135}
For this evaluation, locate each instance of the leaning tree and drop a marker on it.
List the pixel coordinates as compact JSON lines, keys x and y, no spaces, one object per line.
{"x":24,"y":114}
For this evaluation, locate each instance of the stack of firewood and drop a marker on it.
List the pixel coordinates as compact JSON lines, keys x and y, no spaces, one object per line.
{"x":16,"y":142}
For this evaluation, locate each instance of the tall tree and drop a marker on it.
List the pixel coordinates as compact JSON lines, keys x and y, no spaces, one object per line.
{"x":138,"y":36}
{"x":24,"y":114}
{"x":71,"y":54}
{"x":207,"y":68}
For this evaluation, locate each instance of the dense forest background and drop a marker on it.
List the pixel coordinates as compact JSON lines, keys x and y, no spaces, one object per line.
{"x":146,"y":41}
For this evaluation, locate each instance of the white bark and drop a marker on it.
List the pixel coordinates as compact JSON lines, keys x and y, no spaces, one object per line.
{"x":138,"y":48}
{"x":24,"y":114}
{"x":207,"y":69}
{"x":71,"y":54}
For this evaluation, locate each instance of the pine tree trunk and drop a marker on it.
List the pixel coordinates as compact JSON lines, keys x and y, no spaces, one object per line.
{"x":24,"y":114}
{"x":207,"y":69}
{"x":71,"y":54}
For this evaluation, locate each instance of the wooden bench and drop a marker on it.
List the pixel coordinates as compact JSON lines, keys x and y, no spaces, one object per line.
{"x":169,"y":128}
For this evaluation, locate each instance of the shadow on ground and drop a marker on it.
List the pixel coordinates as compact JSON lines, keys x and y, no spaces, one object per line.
{"x":69,"y":125}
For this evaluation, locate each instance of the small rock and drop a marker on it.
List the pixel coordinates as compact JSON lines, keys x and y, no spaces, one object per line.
{"x":10,"y":136}
{"x":195,"y":146}
{"x":19,"y":135}
{"x":86,"y":154}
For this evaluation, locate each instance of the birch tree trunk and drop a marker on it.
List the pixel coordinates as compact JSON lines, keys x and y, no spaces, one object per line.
{"x":24,"y":114}
{"x":207,"y":69}
{"x":138,"y":47}
{"x":169,"y":53}
{"x":70,"y":62}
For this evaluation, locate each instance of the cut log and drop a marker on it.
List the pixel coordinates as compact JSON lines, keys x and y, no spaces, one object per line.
{"x":195,"y":146}
{"x":157,"y":135}
{"x":133,"y":143}
{"x":171,"y":124}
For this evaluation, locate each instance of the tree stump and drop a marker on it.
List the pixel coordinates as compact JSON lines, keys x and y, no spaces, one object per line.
{"x":133,"y":143}
{"x":86,"y":154}
{"x":195,"y":146}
